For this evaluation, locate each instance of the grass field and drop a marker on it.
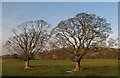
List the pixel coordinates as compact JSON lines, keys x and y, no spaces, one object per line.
{"x":92,"y":67}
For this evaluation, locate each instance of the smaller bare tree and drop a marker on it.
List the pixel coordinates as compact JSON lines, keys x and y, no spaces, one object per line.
{"x":31,"y":38}
{"x":109,"y":43}
{"x":112,"y":42}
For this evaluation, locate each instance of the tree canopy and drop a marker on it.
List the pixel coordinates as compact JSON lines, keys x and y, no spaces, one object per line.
{"x":80,"y":33}
{"x":29,"y":38}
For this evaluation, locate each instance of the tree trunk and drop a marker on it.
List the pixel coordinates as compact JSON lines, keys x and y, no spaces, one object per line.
{"x":27,"y":66}
{"x":77,"y":66}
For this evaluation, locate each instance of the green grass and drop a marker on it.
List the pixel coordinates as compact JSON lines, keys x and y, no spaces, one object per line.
{"x":92,"y":67}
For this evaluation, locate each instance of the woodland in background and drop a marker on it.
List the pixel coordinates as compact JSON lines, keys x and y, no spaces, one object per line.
{"x":61,"y":54}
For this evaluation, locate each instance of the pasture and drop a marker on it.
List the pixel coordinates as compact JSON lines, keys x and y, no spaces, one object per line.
{"x":91,"y":67}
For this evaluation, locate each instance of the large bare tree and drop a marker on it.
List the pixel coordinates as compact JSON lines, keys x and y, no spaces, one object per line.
{"x":79,"y":34}
{"x":29,"y":38}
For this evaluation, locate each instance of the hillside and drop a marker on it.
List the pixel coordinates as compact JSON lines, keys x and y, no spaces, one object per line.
{"x":61,"y":54}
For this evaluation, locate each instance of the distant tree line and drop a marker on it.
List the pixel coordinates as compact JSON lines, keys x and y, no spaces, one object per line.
{"x":106,"y":53}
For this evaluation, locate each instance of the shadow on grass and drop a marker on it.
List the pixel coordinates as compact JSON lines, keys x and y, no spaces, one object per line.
{"x":36,"y":66}
{"x":55,"y":66}
{"x":95,"y":67}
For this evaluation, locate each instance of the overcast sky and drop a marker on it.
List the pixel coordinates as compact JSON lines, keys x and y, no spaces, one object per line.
{"x":15,"y":13}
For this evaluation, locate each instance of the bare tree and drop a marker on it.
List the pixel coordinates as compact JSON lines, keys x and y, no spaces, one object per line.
{"x":79,"y":34}
{"x":32,"y":37}
{"x":112,"y":42}
{"x":108,"y":43}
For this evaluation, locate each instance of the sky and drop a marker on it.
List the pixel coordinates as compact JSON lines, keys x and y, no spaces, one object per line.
{"x":15,"y":13}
